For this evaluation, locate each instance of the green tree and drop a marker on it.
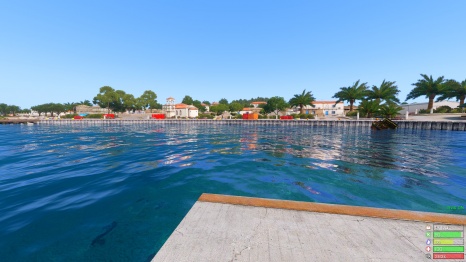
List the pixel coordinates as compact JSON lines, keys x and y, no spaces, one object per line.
{"x":454,"y":89}
{"x":158,"y":106}
{"x":12,"y":109}
{"x":3,"y":109}
{"x":390,"y":110}
{"x":56,"y":108}
{"x":71,"y":106}
{"x":25,"y":111}
{"x":275,"y":104}
{"x":352,"y":93}
{"x":44,"y":108}
{"x":148,"y":100}
{"x":367,"y":108}
{"x":387,"y":91}
{"x":85,"y":102}
{"x":187,"y":100}
{"x":107,"y":98}
{"x":199,"y":105}
{"x":223,"y":101}
{"x":428,"y":87}
{"x":129,"y":102}
{"x":206,"y":102}
{"x":219,"y":109}
{"x":235,"y":107}
{"x":301,"y":100}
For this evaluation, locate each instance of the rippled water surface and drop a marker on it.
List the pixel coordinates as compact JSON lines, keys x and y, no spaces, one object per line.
{"x":116,"y":193}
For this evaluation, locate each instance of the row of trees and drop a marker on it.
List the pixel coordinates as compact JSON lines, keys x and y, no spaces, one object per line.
{"x":374,"y":99}
{"x":51,"y":108}
{"x":11,"y":109}
{"x":383,"y":98}
{"x":387,"y":91}
{"x":120,"y":101}
{"x":441,"y":87}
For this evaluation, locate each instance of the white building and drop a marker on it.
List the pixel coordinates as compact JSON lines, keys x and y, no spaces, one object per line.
{"x":169,"y":108}
{"x":324,"y":108}
{"x":186,"y":111}
{"x":415,"y":107}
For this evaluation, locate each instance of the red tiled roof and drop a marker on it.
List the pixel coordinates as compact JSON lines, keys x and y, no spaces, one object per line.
{"x":181,"y":106}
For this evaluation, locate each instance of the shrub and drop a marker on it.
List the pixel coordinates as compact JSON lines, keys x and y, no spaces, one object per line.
{"x":306,"y":116}
{"x":423,"y":111}
{"x":69,"y":116}
{"x":208,"y":116}
{"x":352,"y":113}
{"x":302,"y":116}
{"x":95,"y":116}
{"x":443,"y":109}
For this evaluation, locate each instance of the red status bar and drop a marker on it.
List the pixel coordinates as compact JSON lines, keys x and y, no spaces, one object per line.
{"x":448,"y":256}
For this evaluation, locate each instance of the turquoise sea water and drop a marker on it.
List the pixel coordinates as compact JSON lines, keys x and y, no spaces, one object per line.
{"x":116,"y":193}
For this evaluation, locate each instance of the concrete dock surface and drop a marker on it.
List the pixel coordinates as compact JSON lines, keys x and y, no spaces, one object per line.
{"x":228,"y":228}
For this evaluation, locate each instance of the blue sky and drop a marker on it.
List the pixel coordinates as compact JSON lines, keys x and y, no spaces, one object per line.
{"x":64,"y":51}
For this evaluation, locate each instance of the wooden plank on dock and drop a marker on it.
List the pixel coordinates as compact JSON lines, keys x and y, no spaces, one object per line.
{"x":225,"y":228}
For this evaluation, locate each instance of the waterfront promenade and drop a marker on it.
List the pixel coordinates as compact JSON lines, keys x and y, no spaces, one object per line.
{"x":230,"y":228}
{"x":402,"y":124}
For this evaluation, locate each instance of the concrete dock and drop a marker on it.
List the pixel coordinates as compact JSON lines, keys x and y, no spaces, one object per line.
{"x":18,"y":121}
{"x":229,"y":228}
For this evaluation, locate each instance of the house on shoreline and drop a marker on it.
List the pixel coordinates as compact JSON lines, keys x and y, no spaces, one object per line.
{"x":186,"y":111}
{"x":323,"y":108}
{"x":172,"y":110}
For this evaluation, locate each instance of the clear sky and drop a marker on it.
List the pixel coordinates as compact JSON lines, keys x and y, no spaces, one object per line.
{"x":64,"y":51}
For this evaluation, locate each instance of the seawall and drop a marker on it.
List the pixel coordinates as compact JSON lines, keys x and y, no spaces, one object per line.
{"x":402,"y":124}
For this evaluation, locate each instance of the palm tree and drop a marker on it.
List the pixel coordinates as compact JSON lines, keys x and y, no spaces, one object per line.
{"x":454,"y":89}
{"x":390,"y":109}
{"x":427,"y":87}
{"x":85,"y":102}
{"x":368,"y":107}
{"x":352,"y":93}
{"x":387,"y":91}
{"x":301,"y":100}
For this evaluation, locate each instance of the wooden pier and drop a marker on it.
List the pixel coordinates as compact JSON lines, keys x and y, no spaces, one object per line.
{"x":230,"y":228}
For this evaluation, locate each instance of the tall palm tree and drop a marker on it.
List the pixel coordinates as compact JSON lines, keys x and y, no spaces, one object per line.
{"x":368,"y":107}
{"x":454,"y":89}
{"x":387,"y":91}
{"x":301,"y":100}
{"x":85,"y":102}
{"x":352,"y":93}
{"x":428,"y":87}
